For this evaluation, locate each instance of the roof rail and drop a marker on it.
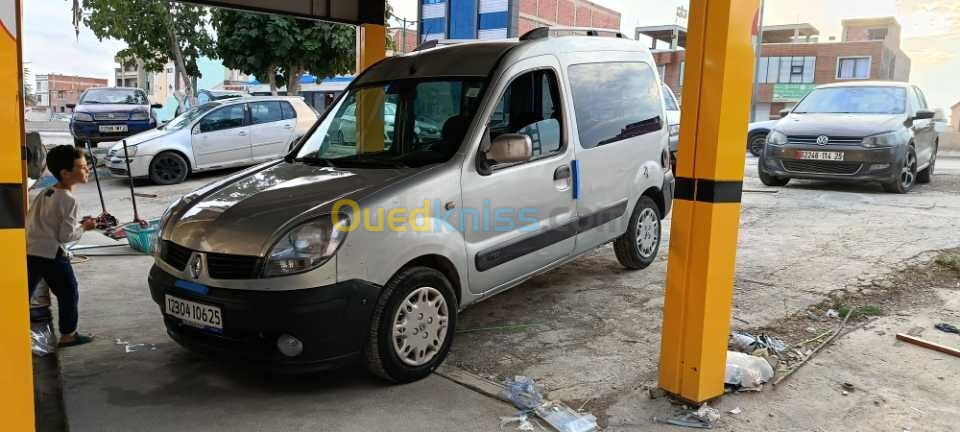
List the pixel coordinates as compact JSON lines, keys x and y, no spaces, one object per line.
{"x":546,"y":32}
{"x":440,"y":42}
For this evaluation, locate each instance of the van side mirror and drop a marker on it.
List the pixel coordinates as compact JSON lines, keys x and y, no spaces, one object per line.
{"x":784,"y":113}
{"x":511,"y":148}
{"x":923,"y":115}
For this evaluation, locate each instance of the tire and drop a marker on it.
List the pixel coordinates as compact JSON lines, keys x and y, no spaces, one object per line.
{"x":169,"y":168}
{"x":637,"y":248}
{"x":907,"y":176}
{"x":384,"y":351}
{"x":926,"y":175}
{"x":78,"y":143}
{"x":755,"y":144}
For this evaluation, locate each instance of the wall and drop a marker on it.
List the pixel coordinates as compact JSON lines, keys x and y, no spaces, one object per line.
{"x":579,"y":13}
{"x":65,"y":89}
{"x":955,"y":117}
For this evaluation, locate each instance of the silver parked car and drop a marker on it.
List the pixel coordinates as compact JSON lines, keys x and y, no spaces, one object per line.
{"x":865,"y":131}
{"x":218,"y":134}
{"x":364,"y":247}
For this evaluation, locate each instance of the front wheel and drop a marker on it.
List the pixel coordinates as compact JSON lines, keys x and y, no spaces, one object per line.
{"x":169,"y":168}
{"x":907,"y":176}
{"x":413,"y":325}
{"x":926,"y":175}
{"x":637,"y":248}
{"x":772,"y":180}
{"x":755,"y":144}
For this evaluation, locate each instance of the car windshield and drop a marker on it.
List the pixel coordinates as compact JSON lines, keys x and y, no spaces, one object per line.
{"x":408,"y":123}
{"x":669,"y":101}
{"x":114,"y":96}
{"x":183,"y":120}
{"x":854,"y":100}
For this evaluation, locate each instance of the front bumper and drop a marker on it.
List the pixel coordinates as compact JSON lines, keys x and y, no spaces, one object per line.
{"x":90,"y":131}
{"x":332,"y":322}
{"x":859,"y":163}
{"x":139,"y":165}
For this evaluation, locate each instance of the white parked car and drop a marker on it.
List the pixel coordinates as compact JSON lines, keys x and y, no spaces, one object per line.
{"x":218,"y":134}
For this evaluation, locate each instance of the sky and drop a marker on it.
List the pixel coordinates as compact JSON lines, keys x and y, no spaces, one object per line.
{"x":931,"y":34}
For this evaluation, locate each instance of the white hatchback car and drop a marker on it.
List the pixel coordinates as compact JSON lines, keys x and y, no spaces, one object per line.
{"x":218,"y":134}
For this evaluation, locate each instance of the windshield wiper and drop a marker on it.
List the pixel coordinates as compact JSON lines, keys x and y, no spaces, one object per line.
{"x":316,"y":161}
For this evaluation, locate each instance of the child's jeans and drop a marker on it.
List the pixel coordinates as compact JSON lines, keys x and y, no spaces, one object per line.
{"x":58,"y":273}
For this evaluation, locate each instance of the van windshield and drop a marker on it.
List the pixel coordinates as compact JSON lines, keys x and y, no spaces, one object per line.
{"x":854,"y":100}
{"x":114,"y":96}
{"x":408,"y":123}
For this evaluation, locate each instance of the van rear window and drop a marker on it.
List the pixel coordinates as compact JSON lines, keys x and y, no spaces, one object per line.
{"x":615,"y":101}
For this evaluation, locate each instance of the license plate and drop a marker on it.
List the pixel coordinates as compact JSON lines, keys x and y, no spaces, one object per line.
{"x":193,"y":313}
{"x":113,"y":128}
{"x":820,"y":155}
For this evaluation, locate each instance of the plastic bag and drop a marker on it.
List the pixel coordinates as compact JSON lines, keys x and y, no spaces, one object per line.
{"x":522,"y":391}
{"x":43,"y":340}
{"x":565,"y":419}
{"x":748,"y":343}
{"x":747,"y":371}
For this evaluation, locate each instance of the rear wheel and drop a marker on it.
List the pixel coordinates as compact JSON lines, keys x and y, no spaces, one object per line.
{"x":412,"y":326}
{"x":169,"y":168}
{"x":755,"y":144}
{"x":927,"y":174}
{"x":907,"y":177}
{"x":637,"y":248}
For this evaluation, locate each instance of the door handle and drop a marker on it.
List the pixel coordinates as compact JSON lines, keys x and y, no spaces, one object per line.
{"x":288,"y":126}
{"x":242,"y":133}
{"x":562,"y":172}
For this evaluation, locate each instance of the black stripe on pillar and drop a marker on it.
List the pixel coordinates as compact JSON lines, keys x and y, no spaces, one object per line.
{"x":11,"y":206}
{"x":684,"y":189}
{"x":713,"y":191}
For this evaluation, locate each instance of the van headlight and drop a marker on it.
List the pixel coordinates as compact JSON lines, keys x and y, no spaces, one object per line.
{"x":888,"y":139}
{"x":79,"y":116}
{"x":776,"y":137}
{"x":307,"y":246}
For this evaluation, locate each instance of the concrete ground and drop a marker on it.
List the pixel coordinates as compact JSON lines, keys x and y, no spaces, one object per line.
{"x":589,"y":332}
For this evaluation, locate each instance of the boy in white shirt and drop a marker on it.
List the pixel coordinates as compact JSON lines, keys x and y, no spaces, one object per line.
{"x":52,"y":222}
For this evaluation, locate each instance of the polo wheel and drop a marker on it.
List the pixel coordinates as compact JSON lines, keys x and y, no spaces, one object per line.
{"x":169,"y":168}
{"x":907,"y":177}
{"x":413,"y":325}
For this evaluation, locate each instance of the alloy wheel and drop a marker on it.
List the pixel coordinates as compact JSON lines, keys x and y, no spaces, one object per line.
{"x":648,"y":232}
{"x":908,"y":175}
{"x":420,"y":326}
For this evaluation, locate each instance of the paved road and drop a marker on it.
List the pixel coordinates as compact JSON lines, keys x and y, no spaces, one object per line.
{"x":161,"y":387}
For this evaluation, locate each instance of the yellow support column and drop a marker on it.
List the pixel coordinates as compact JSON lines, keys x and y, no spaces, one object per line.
{"x":371,"y":48}
{"x":706,"y":211}
{"x":372,"y":45}
{"x":16,"y":371}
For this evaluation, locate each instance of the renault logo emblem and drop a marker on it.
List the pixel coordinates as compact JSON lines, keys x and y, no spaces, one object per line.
{"x":823,"y":140}
{"x":196,"y":266}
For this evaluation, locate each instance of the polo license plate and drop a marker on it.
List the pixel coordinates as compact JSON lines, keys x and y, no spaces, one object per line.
{"x":113,"y":128}
{"x":193,"y":313}
{"x":820,"y":155}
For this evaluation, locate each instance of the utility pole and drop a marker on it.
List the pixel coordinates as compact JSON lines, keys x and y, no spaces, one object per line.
{"x":756,"y":65}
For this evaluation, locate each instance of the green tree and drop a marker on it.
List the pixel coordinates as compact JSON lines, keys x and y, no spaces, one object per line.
{"x":29,"y":99}
{"x":155,"y":31}
{"x":281,"y":49}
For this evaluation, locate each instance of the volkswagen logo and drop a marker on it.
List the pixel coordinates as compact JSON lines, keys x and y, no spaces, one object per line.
{"x":111,"y":115}
{"x":196,"y":266}
{"x":823,"y":140}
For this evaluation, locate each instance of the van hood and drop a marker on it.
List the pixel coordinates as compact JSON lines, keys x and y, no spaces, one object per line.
{"x":243,"y":216}
{"x":99,"y":108}
{"x":840,"y":125}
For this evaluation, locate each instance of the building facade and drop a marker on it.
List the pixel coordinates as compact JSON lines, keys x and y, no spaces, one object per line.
{"x":57,"y":91}
{"x":955,"y":116}
{"x":794,"y":60}
{"x":404,"y":40}
{"x":497,"y":19}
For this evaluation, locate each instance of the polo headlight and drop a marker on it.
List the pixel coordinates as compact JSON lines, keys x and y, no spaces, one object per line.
{"x":888,"y":139}
{"x":307,"y":246}
{"x":131,"y":151}
{"x":79,"y":116}
{"x":140,"y":115}
{"x":776,"y":138}
{"x":674,"y":130}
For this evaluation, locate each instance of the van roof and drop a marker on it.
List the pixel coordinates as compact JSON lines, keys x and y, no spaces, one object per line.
{"x":480,"y":58}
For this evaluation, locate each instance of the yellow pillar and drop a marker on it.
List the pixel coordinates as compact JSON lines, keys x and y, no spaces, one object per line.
{"x":706,"y":211}
{"x":371,"y":48}
{"x":372,"y":45}
{"x":16,"y":373}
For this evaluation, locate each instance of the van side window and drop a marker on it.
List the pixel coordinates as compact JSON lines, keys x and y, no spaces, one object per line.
{"x":531,"y":106}
{"x":615,"y":101}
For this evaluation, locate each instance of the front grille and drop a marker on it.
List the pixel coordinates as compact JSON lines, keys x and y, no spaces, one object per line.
{"x":111,"y":116}
{"x":834,"y":140}
{"x":822,"y":167}
{"x":174,"y":254}
{"x":221,"y":266}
